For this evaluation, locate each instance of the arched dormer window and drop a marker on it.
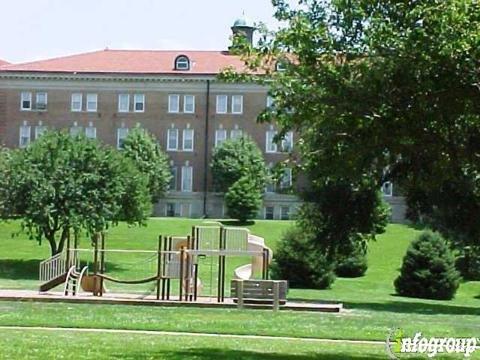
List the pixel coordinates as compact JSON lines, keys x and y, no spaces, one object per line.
{"x":182,"y":63}
{"x":281,"y":65}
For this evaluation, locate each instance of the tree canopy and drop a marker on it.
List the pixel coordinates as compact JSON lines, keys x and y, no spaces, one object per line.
{"x":382,"y":91}
{"x":143,"y":149}
{"x":60,"y":184}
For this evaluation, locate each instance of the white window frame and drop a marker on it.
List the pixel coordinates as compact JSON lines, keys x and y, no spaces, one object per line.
{"x":174,"y":172}
{"x":184,"y":61}
{"x":123,"y":137}
{"x":236,"y":133}
{"x":185,"y":110}
{"x":25,"y":96}
{"x":288,"y":137}
{"x":270,"y":186}
{"x":28,"y":133}
{"x":93,"y":129}
{"x":274,"y":147}
{"x":265,"y":212}
{"x":92,"y":98}
{"x":171,"y":131}
{"x":176,"y":213}
{"x":287,"y":173}
{"x":79,"y":101}
{"x":39,"y":130}
{"x":223,"y":110}
{"x":76,"y":130}
{"x":127,"y":97}
{"x":37,"y":101}
{"x":217,"y":139}
{"x":171,"y":109}
{"x":287,"y":217}
{"x":188,"y":188}
{"x":384,"y":188}
{"x":241,"y":104}
{"x":192,"y":132}
{"x":138,"y":99}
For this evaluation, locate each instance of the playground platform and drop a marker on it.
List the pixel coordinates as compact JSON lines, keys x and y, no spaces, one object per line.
{"x":149,"y":300}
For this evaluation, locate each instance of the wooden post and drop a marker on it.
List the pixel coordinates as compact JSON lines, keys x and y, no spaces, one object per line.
{"x":67,"y":259}
{"x":102,"y":262}
{"x":276,"y":296}
{"x":240,"y":294}
{"x":159,"y":264}
{"x":180,"y":291}
{"x":95,"y":263}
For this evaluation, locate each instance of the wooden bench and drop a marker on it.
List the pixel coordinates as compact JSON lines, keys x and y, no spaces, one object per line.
{"x":259,"y":292}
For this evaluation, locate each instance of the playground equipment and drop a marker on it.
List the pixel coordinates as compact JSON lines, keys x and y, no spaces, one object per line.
{"x":179,"y":262}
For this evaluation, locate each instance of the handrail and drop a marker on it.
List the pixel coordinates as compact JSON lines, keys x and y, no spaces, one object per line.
{"x":70,"y":271}
{"x":80,"y":277}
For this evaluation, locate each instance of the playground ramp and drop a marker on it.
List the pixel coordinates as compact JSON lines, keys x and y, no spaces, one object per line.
{"x":246,"y":272}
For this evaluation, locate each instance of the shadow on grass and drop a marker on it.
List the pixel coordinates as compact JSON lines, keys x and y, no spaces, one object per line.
{"x":222,"y":354}
{"x":238,"y":223}
{"x":16,"y":269}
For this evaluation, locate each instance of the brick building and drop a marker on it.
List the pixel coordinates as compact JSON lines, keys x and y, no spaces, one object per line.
{"x":173,"y":94}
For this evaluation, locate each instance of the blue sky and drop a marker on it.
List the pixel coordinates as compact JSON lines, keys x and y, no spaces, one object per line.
{"x":39,"y":29}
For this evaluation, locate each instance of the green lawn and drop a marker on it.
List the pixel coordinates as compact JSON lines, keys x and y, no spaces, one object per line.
{"x":371,"y":306}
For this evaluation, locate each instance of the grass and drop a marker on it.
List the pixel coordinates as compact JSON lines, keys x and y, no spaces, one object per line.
{"x":372,"y":308}
{"x":64,"y":345}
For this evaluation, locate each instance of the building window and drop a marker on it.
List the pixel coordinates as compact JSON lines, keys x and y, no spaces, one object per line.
{"x":237,"y":104}
{"x":182,"y":63}
{"x":236,"y":134}
{"x":76,"y":102}
{"x":76,"y":130}
{"x":187,"y":139}
{"x":91,"y":132}
{"x":269,"y":102}
{"x":173,"y":103}
{"x":173,"y":180}
{"x":186,"y":210}
{"x":270,"y":145}
{"x":123,"y":103}
{"x":26,"y":101}
{"x":24,"y":139}
{"x":122,"y":134}
{"x":286,"y":180}
{"x":187,"y":172}
{"x":171,"y":210}
{"x":287,"y":142}
{"x":189,"y":104}
{"x":220,"y":136}
{"x":285,"y":213}
{"x":387,"y":188}
{"x":39,"y":130}
{"x":222,"y":104}
{"x":92,"y":102}
{"x":269,"y":212}
{"x":270,"y":185}
{"x":139,"y":102}
{"x":41,"y":101}
{"x":172,"y":139}
{"x":281,"y":65}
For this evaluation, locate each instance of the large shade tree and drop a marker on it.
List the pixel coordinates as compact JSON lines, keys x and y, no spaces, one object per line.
{"x":382,"y":91}
{"x":62,"y":184}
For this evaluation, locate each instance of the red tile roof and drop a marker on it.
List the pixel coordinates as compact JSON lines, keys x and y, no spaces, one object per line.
{"x":133,"y":62}
{"x":3,"y":63}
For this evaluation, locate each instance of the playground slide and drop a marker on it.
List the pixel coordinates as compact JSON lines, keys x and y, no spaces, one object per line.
{"x":246,"y":272}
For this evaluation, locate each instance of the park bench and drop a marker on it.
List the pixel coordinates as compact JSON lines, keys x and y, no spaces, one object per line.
{"x":259,"y":292}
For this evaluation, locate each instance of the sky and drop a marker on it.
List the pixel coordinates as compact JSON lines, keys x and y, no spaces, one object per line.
{"x":40,"y":29}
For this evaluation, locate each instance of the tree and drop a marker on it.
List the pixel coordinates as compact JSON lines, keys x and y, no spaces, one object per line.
{"x":62,"y":184}
{"x":243,"y":199}
{"x":239,"y":171}
{"x":381,"y":91}
{"x":237,"y":158}
{"x":143,"y":149}
{"x":428,"y":269}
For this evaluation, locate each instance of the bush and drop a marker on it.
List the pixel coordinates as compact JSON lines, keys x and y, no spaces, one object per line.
{"x":469,"y":263}
{"x":243,"y":199}
{"x":428,"y":269}
{"x":297,"y":261}
{"x":353,"y":263}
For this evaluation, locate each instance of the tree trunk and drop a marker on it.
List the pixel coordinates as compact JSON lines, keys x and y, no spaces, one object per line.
{"x":63,"y":238}
{"x":51,"y":240}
